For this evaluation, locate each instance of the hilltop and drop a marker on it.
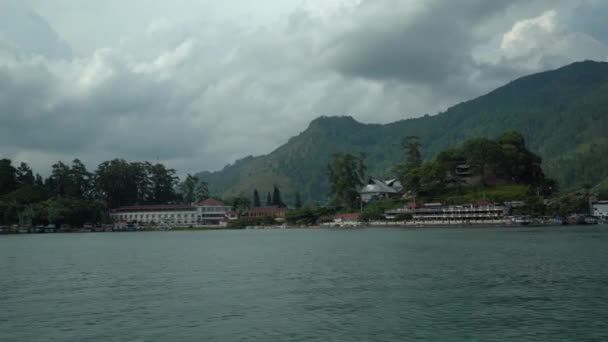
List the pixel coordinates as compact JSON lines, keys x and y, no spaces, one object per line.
{"x":563,"y":114}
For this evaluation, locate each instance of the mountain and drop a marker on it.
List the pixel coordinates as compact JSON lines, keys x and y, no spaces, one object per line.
{"x":562,"y":113}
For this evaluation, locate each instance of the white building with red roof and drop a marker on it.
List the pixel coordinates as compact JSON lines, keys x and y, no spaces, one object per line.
{"x":212,"y":211}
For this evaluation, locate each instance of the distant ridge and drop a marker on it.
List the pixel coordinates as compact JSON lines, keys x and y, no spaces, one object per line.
{"x":562,"y":113}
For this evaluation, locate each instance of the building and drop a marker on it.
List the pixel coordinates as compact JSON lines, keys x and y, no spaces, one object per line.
{"x":377,"y":190}
{"x":207,"y":212}
{"x":347,"y":218}
{"x":159,"y":214}
{"x":463,"y":170}
{"x":600,"y":209}
{"x":270,"y":211}
{"x":453,"y":214}
{"x":212,"y":211}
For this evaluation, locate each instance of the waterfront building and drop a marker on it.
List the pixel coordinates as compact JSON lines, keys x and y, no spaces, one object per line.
{"x":377,"y":190}
{"x":270,"y":211}
{"x":600,"y":209}
{"x":207,"y":212}
{"x":347,"y":218}
{"x":452,"y":214}
{"x":212,"y":211}
{"x":159,"y":214}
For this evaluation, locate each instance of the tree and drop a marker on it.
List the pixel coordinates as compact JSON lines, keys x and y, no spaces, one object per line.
{"x":346,"y":173}
{"x":162,"y":183}
{"x":39,"y":182}
{"x":114,"y":184}
{"x":298,"y":201}
{"x":121,"y":183}
{"x":430,"y":178}
{"x":256,"y":199}
{"x":413,"y":160}
{"x":202,"y":191}
{"x":241,"y":203}
{"x":484,"y":156}
{"x":276,"y":197}
{"x":25,"y":176}
{"x":140,"y":186}
{"x":59,"y":183}
{"x":268,"y":200}
{"x":411,"y":145}
{"x":188,"y":188}
{"x":8,"y":177}
{"x":80,"y":183}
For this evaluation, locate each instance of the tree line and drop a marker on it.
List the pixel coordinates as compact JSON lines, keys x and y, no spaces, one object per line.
{"x":74,"y":195}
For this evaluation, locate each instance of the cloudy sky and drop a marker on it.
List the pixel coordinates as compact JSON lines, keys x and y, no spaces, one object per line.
{"x":200,"y":83}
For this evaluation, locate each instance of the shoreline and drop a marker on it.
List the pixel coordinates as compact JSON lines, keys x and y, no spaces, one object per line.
{"x":371,"y":225}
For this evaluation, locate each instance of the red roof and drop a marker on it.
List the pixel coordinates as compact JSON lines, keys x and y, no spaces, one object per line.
{"x":156,"y":207}
{"x":348,"y":216}
{"x":210,"y":202}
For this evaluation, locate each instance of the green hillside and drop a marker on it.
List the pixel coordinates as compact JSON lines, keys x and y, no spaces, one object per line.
{"x":562,"y":113}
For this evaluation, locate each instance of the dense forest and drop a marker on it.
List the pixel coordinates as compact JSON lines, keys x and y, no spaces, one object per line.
{"x":73,"y":195}
{"x":562,"y":114}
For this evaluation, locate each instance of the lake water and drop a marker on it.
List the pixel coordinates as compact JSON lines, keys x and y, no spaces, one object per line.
{"x":548,"y":284}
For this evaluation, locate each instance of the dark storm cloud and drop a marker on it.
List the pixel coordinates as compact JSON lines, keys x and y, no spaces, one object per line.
{"x":426,"y":43}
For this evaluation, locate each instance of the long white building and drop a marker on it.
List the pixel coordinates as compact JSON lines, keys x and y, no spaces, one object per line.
{"x":207,"y":212}
{"x":436,"y":212}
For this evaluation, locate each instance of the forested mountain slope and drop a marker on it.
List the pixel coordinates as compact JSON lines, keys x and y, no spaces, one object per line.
{"x":562,"y":113}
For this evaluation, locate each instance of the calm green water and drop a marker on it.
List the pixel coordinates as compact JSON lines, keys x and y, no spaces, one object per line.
{"x":307,"y":285}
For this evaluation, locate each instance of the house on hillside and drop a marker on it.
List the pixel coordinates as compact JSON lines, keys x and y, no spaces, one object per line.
{"x":462,"y":174}
{"x":377,"y":190}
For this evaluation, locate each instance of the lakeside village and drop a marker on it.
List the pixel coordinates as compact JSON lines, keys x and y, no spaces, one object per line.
{"x":484,"y":182}
{"x":214,"y":214}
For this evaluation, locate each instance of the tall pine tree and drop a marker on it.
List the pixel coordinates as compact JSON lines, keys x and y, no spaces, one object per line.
{"x":276,"y":197}
{"x":268,"y":200}
{"x":298,"y":201}
{"x":256,"y":199}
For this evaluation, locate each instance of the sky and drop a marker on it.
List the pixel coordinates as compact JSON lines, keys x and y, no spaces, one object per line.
{"x":197,"y":84}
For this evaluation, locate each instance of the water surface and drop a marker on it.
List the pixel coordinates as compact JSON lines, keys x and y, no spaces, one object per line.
{"x":548,"y":284}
